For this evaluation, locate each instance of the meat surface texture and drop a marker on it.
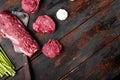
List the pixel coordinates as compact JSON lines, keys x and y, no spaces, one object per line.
{"x":44,"y":24}
{"x":30,"y":6}
{"x":12,"y":29}
{"x":52,"y":48}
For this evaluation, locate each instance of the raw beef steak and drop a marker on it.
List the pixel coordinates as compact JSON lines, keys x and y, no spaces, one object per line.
{"x":44,"y":24}
{"x":52,"y":48}
{"x":12,"y":29}
{"x":30,"y":6}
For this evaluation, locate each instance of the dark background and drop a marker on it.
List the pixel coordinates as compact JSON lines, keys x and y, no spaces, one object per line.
{"x":90,"y":37}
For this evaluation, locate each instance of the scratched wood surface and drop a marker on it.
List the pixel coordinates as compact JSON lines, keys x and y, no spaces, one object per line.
{"x":90,"y":38}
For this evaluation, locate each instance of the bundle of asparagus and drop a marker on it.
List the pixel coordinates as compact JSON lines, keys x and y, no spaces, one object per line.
{"x":6,"y":67}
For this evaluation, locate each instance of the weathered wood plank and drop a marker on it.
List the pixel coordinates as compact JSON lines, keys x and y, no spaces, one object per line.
{"x":77,"y":17}
{"x":73,"y":55}
{"x":86,"y":9}
{"x":97,"y":63}
{"x":102,"y":66}
{"x":8,"y":4}
{"x":49,"y":63}
{"x":90,"y":21}
{"x":50,"y":10}
{"x":2,"y":2}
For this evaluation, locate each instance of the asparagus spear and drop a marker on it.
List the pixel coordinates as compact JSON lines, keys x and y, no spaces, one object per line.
{"x":6,"y":67}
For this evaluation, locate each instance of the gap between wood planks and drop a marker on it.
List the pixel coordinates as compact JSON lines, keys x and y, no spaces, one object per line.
{"x":68,"y":33}
{"x":93,"y":55}
{"x":76,"y":27}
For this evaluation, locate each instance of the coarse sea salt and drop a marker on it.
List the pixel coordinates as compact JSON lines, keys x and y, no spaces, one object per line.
{"x":62,"y":14}
{"x":72,"y":0}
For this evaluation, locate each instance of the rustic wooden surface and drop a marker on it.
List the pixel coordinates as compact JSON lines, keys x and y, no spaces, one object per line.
{"x":90,"y":38}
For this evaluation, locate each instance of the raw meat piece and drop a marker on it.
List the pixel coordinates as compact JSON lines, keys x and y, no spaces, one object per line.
{"x":44,"y":24}
{"x":30,"y":6}
{"x":52,"y":48}
{"x":12,"y":29}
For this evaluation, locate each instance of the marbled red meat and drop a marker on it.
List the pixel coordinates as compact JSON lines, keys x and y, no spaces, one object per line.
{"x":44,"y":24}
{"x":30,"y":6}
{"x":52,"y":48}
{"x":12,"y":29}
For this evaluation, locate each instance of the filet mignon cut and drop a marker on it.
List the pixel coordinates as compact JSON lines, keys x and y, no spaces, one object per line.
{"x":52,"y":48}
{"x":44,"y":24}
{"x":12,"y":29}
{"x":30,"y":6}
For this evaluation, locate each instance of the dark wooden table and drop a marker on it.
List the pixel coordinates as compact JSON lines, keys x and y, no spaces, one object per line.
{"x":90,"y":38}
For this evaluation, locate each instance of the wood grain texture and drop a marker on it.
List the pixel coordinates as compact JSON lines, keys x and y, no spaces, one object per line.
{"x":90,"y":38}
{"x":98,"y":66}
